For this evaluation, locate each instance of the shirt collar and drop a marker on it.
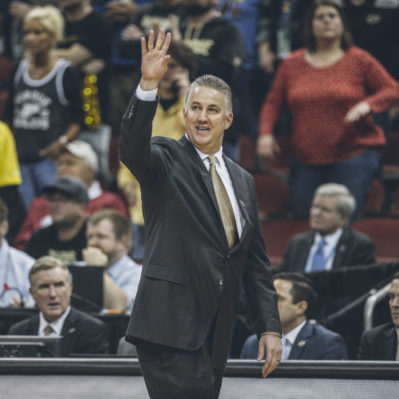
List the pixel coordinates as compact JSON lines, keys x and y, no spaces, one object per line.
{"x":114,"y":268}
{"x":291,"y":336}
{"x":203,"y":156}
{"x":56,"y":325}
{"x":329,"y":238}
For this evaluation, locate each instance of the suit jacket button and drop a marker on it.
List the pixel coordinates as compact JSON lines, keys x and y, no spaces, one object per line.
{"x":220,"y":283}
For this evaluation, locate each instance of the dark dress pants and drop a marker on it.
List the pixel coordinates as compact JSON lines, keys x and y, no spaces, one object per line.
{"x":171,"y":373}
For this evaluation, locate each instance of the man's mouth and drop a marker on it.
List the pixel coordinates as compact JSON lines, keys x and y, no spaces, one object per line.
{"x":202,"y":128}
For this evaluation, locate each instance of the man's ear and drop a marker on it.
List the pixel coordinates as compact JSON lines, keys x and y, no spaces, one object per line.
{"x":302,"y":307}
{"x":229,"y":121}
{"x":4,"y":228}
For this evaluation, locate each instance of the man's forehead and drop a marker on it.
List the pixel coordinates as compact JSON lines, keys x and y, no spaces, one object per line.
{"x":394,"y":286}
{"x":206,"y":96}
{"x":49,"y":275}
{"x":326,"y":200}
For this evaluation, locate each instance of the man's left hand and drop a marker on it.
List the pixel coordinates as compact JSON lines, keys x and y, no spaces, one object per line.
{"x":269,"y":345}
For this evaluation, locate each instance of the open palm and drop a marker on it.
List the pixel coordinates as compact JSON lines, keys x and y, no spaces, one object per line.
{"x":154,"y":57}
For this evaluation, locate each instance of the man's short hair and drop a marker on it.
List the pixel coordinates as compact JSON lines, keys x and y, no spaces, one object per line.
{"x":302,"y":288}
{"x":3,"y":211}
{"x":346,"y":202}
{"x":216,"y":83}
{"x":47,"y":263}
{"x":122,"y":226}
{"x":395,"y":276}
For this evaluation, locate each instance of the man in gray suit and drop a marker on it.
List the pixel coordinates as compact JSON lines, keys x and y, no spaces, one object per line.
{"x":203,"y":238}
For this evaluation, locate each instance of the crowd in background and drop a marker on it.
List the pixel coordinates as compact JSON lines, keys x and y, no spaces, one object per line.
{"x":323,"y":76}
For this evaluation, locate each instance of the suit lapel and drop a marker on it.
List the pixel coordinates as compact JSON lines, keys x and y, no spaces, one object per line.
{"x":238,"y":186}
{"x":303,"y":253}
{"x":68,"y":332}
{"x":33,"y":327}
{"x":301,"y":341}
{"x":389,"y":350}
{"x":205,"y":178}
{"x":341,"y":250}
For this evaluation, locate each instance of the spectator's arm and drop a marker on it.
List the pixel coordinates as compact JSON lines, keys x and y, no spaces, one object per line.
{"x":77,"y":54}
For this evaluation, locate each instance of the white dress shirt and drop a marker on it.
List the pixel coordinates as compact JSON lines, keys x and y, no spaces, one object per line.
{"x":329,"y":249}
{"x":289,"y":339}
{"x":221,"y":169}
{"x":56,"y":325}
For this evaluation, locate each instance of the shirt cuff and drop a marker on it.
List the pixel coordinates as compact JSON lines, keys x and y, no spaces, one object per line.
{"x":146,"y":95}
{"x":271,"y":333}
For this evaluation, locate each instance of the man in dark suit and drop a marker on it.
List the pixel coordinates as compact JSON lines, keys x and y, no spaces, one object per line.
{"x":381,"y":342}
{"x":302,"y":338}
{"x":51,"y":288}
{"x":199,"y":246}
{"x":331,"y":243}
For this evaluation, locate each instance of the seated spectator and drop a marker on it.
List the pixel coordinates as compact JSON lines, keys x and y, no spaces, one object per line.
{"x":79,"y":160}
{"x":302,"y":338}
{"x":381,"y":342}
{"x":66,"y":237}
{"x":109,"y":238}
{"x":331,"y":243}
{"x":51,"y":287}
{"x":14,"y":269}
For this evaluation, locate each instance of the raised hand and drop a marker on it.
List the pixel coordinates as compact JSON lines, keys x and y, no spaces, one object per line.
{"x":154,"y":59}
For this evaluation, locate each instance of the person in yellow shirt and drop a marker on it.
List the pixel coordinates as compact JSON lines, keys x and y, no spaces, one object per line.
{"x":168,"y":122}
{"x":10,"y":179}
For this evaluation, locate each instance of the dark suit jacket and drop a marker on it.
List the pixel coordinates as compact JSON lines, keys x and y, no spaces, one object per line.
{"x":314,"y":342}
{"x":189,"y":272}
{"x":353,"y":248}
{"x":82,"y":333}
{"x":379,"y":343}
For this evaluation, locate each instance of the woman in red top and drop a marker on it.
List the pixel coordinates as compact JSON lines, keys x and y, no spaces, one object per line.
{"x":331,"y":88}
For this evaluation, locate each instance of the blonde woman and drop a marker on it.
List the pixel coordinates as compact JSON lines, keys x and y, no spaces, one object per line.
{"x":45,"y":107}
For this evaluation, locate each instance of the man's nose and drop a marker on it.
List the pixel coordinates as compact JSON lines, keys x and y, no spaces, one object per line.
{"x":52,"y":291}
{"x":202,"y":115}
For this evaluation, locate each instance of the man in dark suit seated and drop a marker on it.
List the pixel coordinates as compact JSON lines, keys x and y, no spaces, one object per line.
{"x":381,"y":342}
{"x":331,"y":243}
{"x":302,"y":338}
{"x":203,"y":239}
{"x":51,"y":288}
